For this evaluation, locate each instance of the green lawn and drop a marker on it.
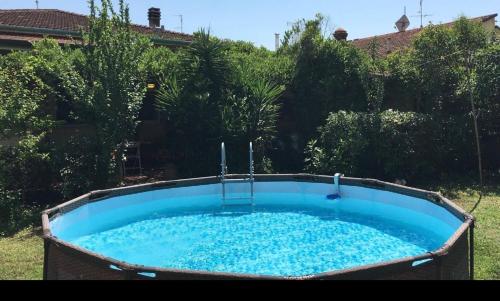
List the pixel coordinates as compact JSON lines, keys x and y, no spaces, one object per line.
{"x":21,"y":256}
{"x":487,"y":232}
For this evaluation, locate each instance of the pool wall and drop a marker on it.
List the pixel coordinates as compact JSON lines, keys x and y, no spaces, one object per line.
{"x":454,"y":260}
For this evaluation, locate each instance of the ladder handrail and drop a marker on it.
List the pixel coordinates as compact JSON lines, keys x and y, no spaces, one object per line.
{"x":251,"y":168}
{"x":224,"y":170}
{"x":223,"y":160}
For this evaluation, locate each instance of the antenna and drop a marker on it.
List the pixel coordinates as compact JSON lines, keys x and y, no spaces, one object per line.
{"x":36,"y":1}
{"x":182,"y":21}
{"x":421,"y":14}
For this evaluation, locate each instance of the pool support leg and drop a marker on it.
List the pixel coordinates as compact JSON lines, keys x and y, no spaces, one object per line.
{"x":46,"y":245}
{"x":471,"y":248}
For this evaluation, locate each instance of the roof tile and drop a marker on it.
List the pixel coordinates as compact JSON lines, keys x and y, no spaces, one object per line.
{"x":63,"y":20}
{"x":391,"y":42}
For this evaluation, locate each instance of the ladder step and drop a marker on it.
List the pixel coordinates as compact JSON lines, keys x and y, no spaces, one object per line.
{"x":249,"y":178}
{"x":238,"y":204}
{"x":236,"y":181}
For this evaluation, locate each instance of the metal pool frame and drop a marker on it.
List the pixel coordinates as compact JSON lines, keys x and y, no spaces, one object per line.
{"x":452,"y":261}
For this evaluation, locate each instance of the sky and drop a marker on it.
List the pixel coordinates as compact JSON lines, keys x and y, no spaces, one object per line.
{"x":258,"y":20}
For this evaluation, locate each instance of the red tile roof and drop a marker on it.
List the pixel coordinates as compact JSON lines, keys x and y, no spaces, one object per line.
{"x":62,"y":20}
{"x":391,"y":42}
{"x":30,"y":38}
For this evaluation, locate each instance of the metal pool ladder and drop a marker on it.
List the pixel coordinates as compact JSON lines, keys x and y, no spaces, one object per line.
{"x":248,"y":179}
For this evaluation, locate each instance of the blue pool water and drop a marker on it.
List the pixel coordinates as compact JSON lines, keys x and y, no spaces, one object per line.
{"x":281,"y":235}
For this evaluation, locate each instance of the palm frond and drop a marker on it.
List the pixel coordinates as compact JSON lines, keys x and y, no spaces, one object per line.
{"x":168,"y":95}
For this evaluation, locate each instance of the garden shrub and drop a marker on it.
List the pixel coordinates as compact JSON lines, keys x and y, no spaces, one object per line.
{"x":16,"y":213}
{"x":342,"y":144}
{"x":389,"y":145}
{"x":406,"y":145}
{"x":24,"y":155}
{"x":251,"y":63}
{"x":212,"y":100}
{"x":10,"y":209}
{"x":76,"y":162}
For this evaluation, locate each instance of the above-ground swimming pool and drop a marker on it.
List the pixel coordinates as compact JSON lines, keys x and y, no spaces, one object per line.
{"x":293,"y":227}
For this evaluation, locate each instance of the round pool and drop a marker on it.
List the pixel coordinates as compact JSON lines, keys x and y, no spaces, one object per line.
{"x":281,"y":227}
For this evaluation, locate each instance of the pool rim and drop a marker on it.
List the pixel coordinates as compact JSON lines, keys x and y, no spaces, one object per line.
{"x":133,"y":271}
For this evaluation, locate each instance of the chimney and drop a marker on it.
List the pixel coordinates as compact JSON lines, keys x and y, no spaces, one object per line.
{"x":340,"y":34}
{"x":403,"y":23}
{"x":154,"y":17}
{"x":276,"y":41}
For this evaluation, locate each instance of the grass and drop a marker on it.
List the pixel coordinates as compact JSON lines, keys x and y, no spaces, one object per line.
{"x":21,"y":255}
{"x":487,"y":231}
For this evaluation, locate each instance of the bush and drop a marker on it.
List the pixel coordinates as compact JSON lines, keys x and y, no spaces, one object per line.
{"x":216,"y":98}
{"x":10,"y":204}
{"x":76,"y":163}
{"x":25,"y":166}
{"x":388,"y":145}
{"x":14,"y":213}
{"x":250,"y":63}
{"x":341,"y":145}
{"x":406,"y":145}
{"x":24,"y":155}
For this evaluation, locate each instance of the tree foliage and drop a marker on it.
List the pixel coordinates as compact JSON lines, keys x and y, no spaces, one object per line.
{"x":328,"y":76}
{"x":439,"y":76}
{"x":211,"y":99}
{"x":115,"y":85}
{"x":388,"y":145}
{"x":24,"y":124}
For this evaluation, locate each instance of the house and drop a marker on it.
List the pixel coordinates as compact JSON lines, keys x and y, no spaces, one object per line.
{"x":391,"y":42}
{"x":20,"y":28}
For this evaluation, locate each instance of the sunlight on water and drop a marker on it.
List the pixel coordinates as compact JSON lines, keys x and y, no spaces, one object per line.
{"x":264,"y":240}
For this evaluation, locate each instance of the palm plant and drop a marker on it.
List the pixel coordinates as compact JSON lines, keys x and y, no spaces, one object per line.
{"x":252,"y":116}
{"x":192,"y":100}
{"x":262,"y":111}
{"x":208,"y":102}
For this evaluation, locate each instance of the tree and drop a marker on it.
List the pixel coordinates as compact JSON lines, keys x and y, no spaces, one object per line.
{"x":252,"y":64}
{"x":329,"y":75}
{"x":260,"y":79}
{"x":213,"y":98}
{"x":159,"y":63}
{"x":487,"y":99}
{"x":252,"y":116}
{"x":115,"y":84}
{"x":192,"y":101}
{"x":24,"y":125}
{"x":470,"y":38}
{"x":437,"y":76}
